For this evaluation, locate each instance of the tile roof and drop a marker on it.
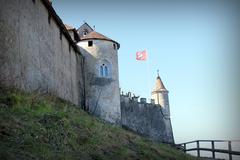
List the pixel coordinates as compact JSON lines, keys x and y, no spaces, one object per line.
{"x":98,"y":36}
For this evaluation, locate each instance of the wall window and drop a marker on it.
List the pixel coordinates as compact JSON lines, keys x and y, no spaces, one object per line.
{"x":90,"y":43}
{"x":114,"y":46}
{"x":105,"y":69}
{"x":101,"y":71}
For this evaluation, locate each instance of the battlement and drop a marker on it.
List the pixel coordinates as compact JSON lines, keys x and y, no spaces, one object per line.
{"x":129,"y":96}
{"x":148,"y":119}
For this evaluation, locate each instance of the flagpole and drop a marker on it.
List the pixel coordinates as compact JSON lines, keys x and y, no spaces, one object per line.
{"x":148,"y":74}
{"x":143,"y":56}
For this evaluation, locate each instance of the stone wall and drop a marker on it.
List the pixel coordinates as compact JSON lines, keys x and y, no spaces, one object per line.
{"x":36,"y":53}
{"x":145,"y":119}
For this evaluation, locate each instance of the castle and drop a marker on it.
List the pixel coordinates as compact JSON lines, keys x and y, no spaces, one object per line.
{"x":38,"y":52}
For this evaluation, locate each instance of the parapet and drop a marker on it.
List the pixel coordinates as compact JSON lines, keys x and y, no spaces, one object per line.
{"x":148,"y":119}
{"x":131,"y":97}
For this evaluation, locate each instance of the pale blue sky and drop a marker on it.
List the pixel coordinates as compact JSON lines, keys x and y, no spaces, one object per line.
{"x":193,"y":44}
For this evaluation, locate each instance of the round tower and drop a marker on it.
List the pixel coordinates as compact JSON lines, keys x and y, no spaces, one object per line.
{"x":101,"y":74}
{"x":160,"y":95}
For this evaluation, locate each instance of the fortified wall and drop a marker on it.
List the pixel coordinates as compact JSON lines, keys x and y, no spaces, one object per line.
{"x":36,"y":51}
{"x":147,"y":119}
{"x":39,"y":53}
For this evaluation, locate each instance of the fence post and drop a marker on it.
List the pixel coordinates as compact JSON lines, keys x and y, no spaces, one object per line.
{"x":229,"y":150}
{"x":213,"y":150}
{"x":198,"y":151}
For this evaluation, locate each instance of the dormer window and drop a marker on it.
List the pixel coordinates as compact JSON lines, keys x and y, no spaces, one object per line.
{"x":85,"y":32}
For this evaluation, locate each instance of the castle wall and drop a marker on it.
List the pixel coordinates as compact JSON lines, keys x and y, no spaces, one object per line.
{"x":146,"y":119}
{"x":102,"y":94}
{"x":34,"y":54}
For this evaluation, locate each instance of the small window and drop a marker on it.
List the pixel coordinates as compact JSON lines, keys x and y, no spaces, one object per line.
{"x":85,"y":33}
{"x":114,"y":46}
{"x":90,"y":43}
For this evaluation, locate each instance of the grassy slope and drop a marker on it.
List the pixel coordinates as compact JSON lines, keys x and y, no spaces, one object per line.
{"x":34,"y":126}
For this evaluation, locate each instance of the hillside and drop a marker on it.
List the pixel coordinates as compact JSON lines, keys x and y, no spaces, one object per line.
{"x":34,"y":126}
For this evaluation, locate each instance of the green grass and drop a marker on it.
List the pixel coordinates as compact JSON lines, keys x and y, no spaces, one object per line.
{"x":34,"y":126}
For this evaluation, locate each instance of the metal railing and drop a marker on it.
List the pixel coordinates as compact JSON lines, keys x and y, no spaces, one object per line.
{"x":213,"y":149}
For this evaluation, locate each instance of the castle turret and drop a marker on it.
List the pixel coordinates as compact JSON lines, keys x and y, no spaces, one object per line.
{"x":160,"y":96}
{"x":101,"y":73}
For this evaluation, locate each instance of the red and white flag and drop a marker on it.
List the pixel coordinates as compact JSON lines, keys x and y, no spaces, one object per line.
{"x":141,"y":55}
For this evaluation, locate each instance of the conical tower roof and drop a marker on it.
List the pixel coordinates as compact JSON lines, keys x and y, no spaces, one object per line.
{"x":159,"y":86}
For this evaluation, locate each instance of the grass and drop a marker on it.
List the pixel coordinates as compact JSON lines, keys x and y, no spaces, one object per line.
{"x":34,"y":126}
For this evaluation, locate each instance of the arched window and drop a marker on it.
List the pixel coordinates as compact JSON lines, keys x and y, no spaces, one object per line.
{"x":105,"y":69}
{"x":101,"y":71}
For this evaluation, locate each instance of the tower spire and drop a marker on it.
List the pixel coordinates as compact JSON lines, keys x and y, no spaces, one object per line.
{"x":159,"y":84}
{"x":160,"y":95}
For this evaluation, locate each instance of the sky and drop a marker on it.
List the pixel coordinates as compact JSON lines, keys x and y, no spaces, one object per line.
{"x":194,"y":44}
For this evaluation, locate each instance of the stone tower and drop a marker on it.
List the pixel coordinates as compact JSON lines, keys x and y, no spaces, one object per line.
{"x":160,"y":96}
{"x":101,"y":72}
